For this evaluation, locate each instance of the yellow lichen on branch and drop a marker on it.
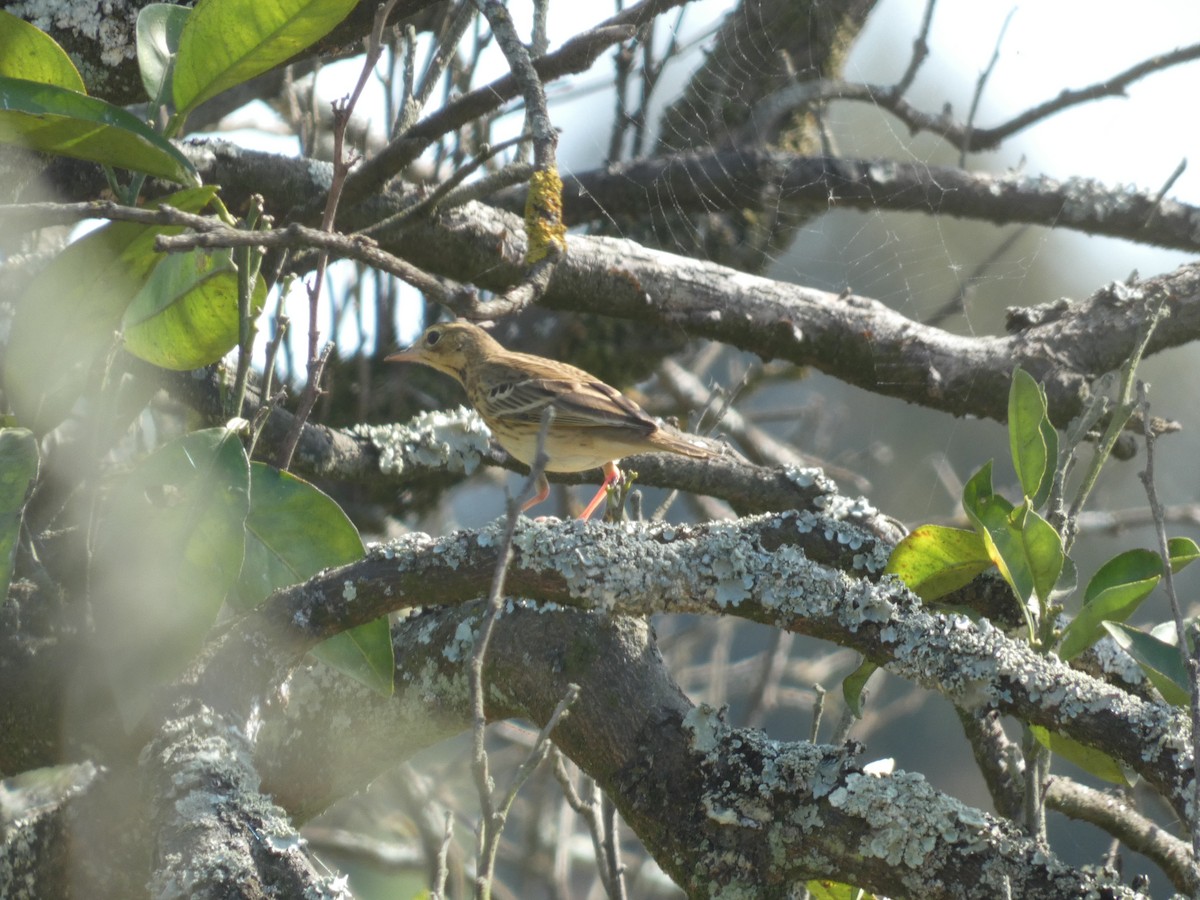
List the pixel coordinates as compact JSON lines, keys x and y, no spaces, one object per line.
{"x":544,"y":224}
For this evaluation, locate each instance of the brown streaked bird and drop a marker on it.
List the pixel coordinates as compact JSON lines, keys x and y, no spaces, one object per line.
{"x":594,"y":425}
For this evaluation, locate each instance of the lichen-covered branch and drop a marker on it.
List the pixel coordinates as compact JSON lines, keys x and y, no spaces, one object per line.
{"x":762,"y":569}
{"x":721,"y":809}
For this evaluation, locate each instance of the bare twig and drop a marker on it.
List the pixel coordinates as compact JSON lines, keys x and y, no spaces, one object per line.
{"x":544,"y":229}
{"x":355,"y":246}
{"x":248,"y":262}
{"x":1189,"y":657}
{"x":576,"y":55}
{"x":493,"y":814}
{"x":601,"y":826}
{"x":920,"y":52}
{"x":957,"y":134}
{"x":308,"y":399}
{"x":443,"y":869}
{"x":981,"y":83}
{"x":428,"y":205}
{"x":1162,"y":192}
{"x":455,"y":26}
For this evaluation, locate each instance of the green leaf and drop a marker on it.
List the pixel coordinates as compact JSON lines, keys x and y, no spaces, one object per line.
{"x":1087,"y":758}
{"x":186,"y":315}
{"x":835,"y":890}
{"x":1042,"y":551}
{"x":171,"y":539}
{"x":1033,"y":460}
{"x":854,"y":684}
{"x":1158,"y":659}
{"x":1131,"y":567}
{"x":52,"y":119}
{"x":66,"y":320}
{"x":990,"y":513}
{"x":364,"y":653}
{"x":29,"y":53}
{"x":935,"y":560}
{"x":1184,"y":552}
{"x":1024,"y":546}
{"x":1114,"y":594}
{"x":293,"y":532}
{"x":1050,"y":439}
{"x":1113,"y":605}
{"x":18,"y":472}
{"x":159,"y":26}
{"x":226,"y":42}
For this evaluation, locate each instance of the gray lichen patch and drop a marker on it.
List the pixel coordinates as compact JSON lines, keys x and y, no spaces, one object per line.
{"x":453,"y":441}
{"x":110,"y":24}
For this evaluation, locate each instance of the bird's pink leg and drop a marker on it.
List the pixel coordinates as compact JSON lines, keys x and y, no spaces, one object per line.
{"x":542,"y":494}
{"x":611,"y":474}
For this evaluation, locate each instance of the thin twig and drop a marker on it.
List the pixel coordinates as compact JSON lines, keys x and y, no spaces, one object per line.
{"x":576,"y":55}
{"x":248,"y":262}
{"x":612,"y":850}
{"x":492,"y":817}
{"x":981,"y":83}
{"x":331,"y":243}
{"x":968,"y":140}
{"x":1190,"y":657}
{"x":442,"y":872}
{"x":428,"y":205}
{"x":308,"y":399}
{"x":342,"y":110}
{"x":600,"y":826}
{"x":1162,"y":192}
{"x":920,"y":52}
{"x":439,"y":58}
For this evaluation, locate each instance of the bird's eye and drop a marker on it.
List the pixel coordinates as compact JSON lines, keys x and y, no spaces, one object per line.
{"x":432,"y":338}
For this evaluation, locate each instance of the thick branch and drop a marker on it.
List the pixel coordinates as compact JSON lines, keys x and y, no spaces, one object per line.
{"x":731,"y":180}
{"x":760,"y":569}
{"x":723,"y":809}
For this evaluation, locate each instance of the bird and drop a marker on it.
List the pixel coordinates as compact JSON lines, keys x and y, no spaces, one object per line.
{"x":594,"y":425}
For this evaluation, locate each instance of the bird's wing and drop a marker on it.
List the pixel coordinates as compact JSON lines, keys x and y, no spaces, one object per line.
{"x":577,"y":403}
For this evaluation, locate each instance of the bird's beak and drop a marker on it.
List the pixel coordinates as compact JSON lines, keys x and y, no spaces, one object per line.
{"x":412,"y":354}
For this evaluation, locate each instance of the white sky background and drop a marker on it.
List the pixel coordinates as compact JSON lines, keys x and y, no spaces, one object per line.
{"x":1047,"y":47}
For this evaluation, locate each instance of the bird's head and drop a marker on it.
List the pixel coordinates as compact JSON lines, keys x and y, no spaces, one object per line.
{"x":450,"y":347}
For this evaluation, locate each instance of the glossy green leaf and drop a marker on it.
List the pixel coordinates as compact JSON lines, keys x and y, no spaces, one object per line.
{"x":854,"y":684}
{"x":170,"y":544}
{"x":1158,"y":659}
{"x":55,"y":120}
{"x":935,"y":560}
{"x":1024,"y":546}
{"x":1116,"y":604}
{"x":1033,"y":460}
{"x":1093,"y":761}
{"x":835,"y":890}
{"x":990,"y":513}
{"x":66,"y":321}
{"x":294,"y":531}
{"x":29,"y":53}
{"x":226,"y":42}
{"x":186,"y":315}
{"x":1128,"y":568}
{"x":1042,"y":550}
{"x":18,"y":473}
{"x":364,"y":653}
{"x":159,"y":26}
{"x":1184,"y":552}
{"x":1114,"y":594}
